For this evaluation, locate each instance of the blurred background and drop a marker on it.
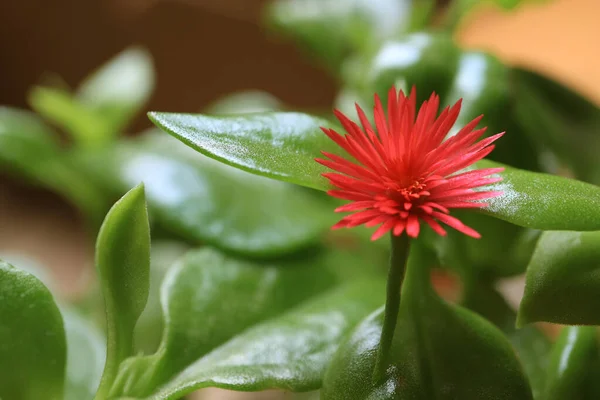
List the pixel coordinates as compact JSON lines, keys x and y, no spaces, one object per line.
{"x":204,"y":49}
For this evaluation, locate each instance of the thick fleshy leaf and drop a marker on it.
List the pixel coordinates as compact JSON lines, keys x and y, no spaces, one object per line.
{"x":86,"y":354}
{"x":29,"y":149}
{"x":205,"y":201}
{"x":123,"y":263}
{"x":332,"y":28}
{"x":543,"y":201}
{"x":119,"y":88}
{"x":279,"y":145}
{"x":250,"y":101}
{"x":290,"y":352}
{"x":33,"y":349}
{"x":104,"y":103}
{"x":149,"y":327}
{"x":431,"y":339}
{"x":208,"y":298}
{"x":484,"y":84}
{"x":86,"y":127}
{"x":559,"y":119}
{"x":427,"y":61}
{"x":562,"y":284}
{"x":573,"y":364}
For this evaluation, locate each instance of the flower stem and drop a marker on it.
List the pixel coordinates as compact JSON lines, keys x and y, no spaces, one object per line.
{"x":398,"y":258}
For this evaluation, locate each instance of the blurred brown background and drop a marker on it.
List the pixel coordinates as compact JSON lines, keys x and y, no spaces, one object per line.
{"x":207,"y":48}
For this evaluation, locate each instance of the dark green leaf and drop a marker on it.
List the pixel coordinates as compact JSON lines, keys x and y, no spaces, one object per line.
{"x":86,"y":354}
{"x":331,"y":28}
{"x":206,"y":201}
{"x":279,"y":145}
{"x":123,"y":263}
{"x":573,"y":360}
{"x":427,"y":61}
{"x":561,"y":120}
{"x":290,"y":352}
{"x":543,"y":201}
{"x":32,"y":339}
{"x":432,"y":338}
{"x":208,"y":297}
{"x":563,"y":285}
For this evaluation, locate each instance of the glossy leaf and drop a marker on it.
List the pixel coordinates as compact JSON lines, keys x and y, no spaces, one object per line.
{"x":543,"y":201}
{"x":432,"y":338}
{"x":573,"y":361}
{"x":123,"y":263}
{"x":562,"y":284}
{"x":32,"y":339}
{"x":484,"y":84}
{"x":427,"y":61}
{"x":331,"y":28}
{"x":205,"y":201}
{"x":29,"y":149}
{"x":279,"y":145}
{"x":559,"y":119}
{"x":290,"y":352}
{"x":208,"y":298}
{"x":86,"y":354}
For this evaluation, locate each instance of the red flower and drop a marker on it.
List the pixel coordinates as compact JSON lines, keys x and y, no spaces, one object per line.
{"x":404,"y":171}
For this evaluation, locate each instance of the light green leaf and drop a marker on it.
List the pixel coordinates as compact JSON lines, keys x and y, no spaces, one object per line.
{"x":562,"y":284}
{"x":32,"y":339}
{"x":290,"y":352}
{"x":29,"y":149}
{"x":431,"y":339}
{"x":208,"y":298}
{"x":208,"y":202}
{"x":120,"y":88}
{"x":86,"y":354}
{"x":123,"y":263}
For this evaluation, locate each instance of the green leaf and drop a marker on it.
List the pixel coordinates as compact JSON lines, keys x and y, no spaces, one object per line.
{"x":104,"y":103}
{"x":432,"y":338}
{"x":331,"y":28}
{"x":149,"y":327}
{"x":202,"y":292}
{"x":279,"y":145}
{"x":120,"y":88}
{"x":559,"y":119}
{"x":562,"y":284}
{"x":123,"y":263}
{"x":86,"y":127}
{"x":32,"y":339}
{"x":28,"y":148}
{"x":543,"y":201}
{"x":459,"y":9}
{"x":573,"y":361}
{"x":250,"y":101}
{"x":290,"y":352}
{"x":427,"y":61}
{"x":86,"y":354}
{"x":208,"y":202}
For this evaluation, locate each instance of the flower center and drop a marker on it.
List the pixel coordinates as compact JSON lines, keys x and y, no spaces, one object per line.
{"x":399,"y":200}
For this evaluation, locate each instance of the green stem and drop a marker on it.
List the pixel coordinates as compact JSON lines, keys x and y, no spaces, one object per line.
{"x":398,"y":258}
